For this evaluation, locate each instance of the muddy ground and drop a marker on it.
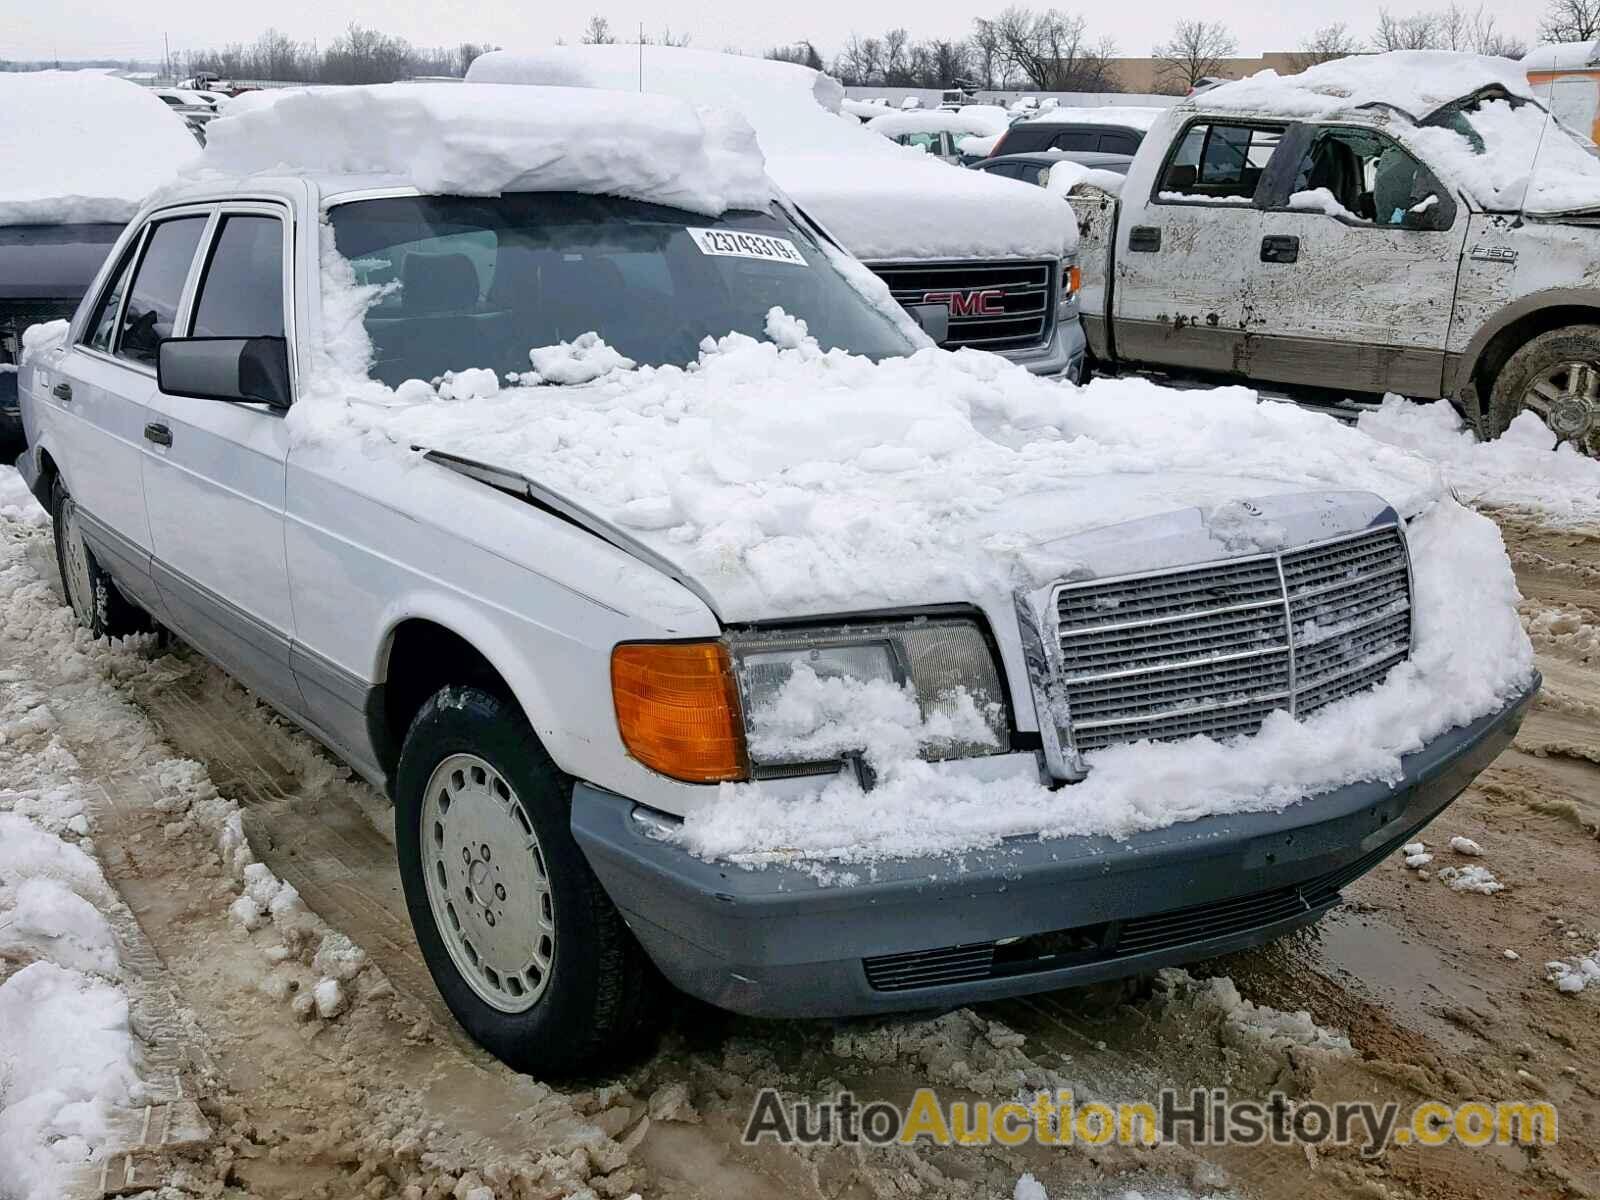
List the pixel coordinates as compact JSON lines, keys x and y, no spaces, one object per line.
{"x":388,"y":1099}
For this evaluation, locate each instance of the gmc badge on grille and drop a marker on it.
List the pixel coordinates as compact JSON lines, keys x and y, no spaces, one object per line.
{"x":976,"y":302}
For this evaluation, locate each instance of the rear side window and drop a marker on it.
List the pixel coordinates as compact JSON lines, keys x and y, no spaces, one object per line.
{"x":1006,"y":170}
{"x":1219,"y":162}
{"x":103,"y":324}
{"x":158,"y":287}
{"x":1075,"y":139}
{"x":241,"y":291}
{"x":1118,"y":143}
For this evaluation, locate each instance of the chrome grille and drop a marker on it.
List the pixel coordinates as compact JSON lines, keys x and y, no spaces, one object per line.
{"x":1028,"y":300}
{"x":1213,"y":650}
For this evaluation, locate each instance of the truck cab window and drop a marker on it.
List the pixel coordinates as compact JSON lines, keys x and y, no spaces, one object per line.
{"x":157,"y":287}
{"x":1220,"y":162}
{"x":1360,"y":175}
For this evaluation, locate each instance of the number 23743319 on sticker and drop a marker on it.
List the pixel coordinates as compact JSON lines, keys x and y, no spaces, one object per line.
{"x":733,"y":243}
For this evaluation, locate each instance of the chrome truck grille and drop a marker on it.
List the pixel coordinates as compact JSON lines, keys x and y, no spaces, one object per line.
{"x":998,"y":306}
{"x":1213,"y":649}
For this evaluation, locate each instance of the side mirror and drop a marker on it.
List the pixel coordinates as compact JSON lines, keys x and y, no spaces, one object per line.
{"x":235,"y":370}
{"x":934,"y":319}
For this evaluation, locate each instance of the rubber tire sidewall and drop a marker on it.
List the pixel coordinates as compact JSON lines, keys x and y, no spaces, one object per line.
{"x":557,"y":1035}
{"x":1532,"y":359}
{"x":110,"y":614}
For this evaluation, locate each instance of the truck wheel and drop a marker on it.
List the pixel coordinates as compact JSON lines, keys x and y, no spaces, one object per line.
{"x":524,"y":945}
{"x":99,"y":606}
{"x":1557,"y":376}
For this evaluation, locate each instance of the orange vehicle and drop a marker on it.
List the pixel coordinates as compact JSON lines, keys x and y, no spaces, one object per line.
{"x":1566,"y":77}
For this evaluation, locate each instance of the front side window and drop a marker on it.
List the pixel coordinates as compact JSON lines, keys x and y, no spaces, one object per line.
{"x":1222,"y":163}
{"x":1361,"y":176}
{"x":241,"y":291}
{"x":479,"y":282}
{"x":158,"y":287}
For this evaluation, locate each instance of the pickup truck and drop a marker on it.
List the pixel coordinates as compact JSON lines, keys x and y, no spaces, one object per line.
{"x":581,"y":508}
{"x":1412,"y":223}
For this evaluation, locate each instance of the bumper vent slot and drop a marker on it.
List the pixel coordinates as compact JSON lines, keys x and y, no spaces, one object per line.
{"x":999,"y":306}
{"x":1214,"y":650}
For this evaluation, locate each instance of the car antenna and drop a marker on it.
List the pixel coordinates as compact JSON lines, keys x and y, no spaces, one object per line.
{"x":641,"y":56}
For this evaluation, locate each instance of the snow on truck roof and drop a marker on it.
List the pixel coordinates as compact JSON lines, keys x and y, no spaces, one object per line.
{"x":83,"y":146}
{"x":1507,"y":153}
{"x":880,"y":200}
{"x":982,"y":119}
{"x":482,"y":140}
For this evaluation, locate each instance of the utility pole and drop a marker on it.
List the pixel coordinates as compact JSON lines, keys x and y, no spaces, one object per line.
{"x":166,"y":42}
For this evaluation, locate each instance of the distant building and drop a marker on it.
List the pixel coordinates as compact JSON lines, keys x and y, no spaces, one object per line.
{"x":1146,"y":75}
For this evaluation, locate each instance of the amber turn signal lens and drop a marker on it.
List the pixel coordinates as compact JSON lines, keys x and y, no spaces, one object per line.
{"x":678,"y":709}
{"x":1074,"y":280}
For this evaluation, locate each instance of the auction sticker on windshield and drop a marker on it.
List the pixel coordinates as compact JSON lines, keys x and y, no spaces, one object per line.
{"x":733,"y":243}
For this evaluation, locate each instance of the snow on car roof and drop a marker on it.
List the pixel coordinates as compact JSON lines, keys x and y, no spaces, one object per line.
{"x":1508,"y":155}
{"x":483,"y":139}
{"x":80,"y":146}
{"x":982,"y":119}
{"x":880,"y":200}
{"x":1134,"y":116}
{"x":1562,"y":56}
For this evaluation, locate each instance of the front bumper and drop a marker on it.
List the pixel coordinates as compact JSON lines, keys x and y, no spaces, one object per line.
{"x":1063,"y":354}
{"x":922,"y":933}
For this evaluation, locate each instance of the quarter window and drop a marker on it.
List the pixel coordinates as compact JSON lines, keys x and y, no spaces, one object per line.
{"x":158,"y":287}
{"x":104,"y":322}
{"x":1222,"y":163}
{"x":241,"y":292}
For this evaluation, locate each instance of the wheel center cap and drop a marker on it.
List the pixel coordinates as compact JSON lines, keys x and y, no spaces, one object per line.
{"x":1573,"y":416}
{"x":478,"y":874}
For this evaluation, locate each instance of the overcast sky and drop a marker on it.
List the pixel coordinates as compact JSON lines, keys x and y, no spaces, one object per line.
{"x":117,"y":29}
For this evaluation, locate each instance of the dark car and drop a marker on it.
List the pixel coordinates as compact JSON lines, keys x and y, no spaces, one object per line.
{"x":44,"y":271}
{"x":1032,"y":136}
{"x":1035,"y":168}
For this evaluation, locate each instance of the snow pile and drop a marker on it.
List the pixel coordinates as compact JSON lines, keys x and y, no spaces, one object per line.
{"x":482,"y":140}
{"x":1526,"y":161}
{"x":878,"y":199}
{"x":1471,"y":879}
{"x":1523,"y":469}
{"x":1466,"y":846}
{"x":1323,"y":201}
{"x":1576,"y":974}
{"x":1243,"y":1018}
{"x":82,"y":146}
{"x":1067,"y":175}
{"x":981,"y":120}
{"x":16,"y":501}
{"x":1029,"y":1188}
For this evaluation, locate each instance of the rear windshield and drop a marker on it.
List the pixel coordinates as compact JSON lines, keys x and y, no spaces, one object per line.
{"x":52,"y":262}
{"x":480,"y":282}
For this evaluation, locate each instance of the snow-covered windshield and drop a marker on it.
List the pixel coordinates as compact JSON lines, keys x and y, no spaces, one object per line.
{"x":1516,"y":155}
{"x":479,"y":282}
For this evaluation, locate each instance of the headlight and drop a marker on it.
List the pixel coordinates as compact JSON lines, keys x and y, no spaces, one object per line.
{"x":927,"y":687}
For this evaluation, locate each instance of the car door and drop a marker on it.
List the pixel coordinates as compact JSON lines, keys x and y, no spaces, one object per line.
{"x":1355,"y":273}
{"x":1178,"y":293}
{"x":101,"y":392}
{"x":214,"y":471}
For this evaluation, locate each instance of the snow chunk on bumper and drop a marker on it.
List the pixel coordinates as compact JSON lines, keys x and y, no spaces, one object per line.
{"x":484,"y":139}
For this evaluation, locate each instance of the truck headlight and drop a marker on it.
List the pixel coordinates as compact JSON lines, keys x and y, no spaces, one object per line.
{"x":810,"y":697}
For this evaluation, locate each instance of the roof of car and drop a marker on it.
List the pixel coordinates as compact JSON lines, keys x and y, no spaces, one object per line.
{"x":1042,"y":158}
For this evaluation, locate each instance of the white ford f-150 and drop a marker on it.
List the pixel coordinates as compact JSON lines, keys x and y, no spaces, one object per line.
{"x":1411,"y":222}
{"x":632,"y":538}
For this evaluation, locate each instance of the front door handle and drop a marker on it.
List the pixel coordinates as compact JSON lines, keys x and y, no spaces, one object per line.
{"x":62,"y":391}
{"x":1280,"y":248}
{"x":1144,"y":239}
{"x":159,"y":434}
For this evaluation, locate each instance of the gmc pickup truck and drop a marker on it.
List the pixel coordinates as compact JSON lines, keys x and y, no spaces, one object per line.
{"x":1413,"y":223}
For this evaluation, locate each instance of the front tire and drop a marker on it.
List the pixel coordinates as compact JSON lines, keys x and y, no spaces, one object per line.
{"x":1556,"y":376}
{"x":99,"y":606}
{"x":527,"y":950}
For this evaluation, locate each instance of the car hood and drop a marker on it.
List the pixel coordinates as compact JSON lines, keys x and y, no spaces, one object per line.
{"x":786,"y":481}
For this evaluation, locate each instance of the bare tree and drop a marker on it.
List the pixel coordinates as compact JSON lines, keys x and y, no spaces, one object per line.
{"x":860,"y":62}
{"x":1453,"y":28}
{"x":988,"y":60}
{"x":803,"y":53}
{"x":897,"y":58}
{"x":1326,"y":44}
{"x":1197,"y":49}
{"x":1417,"y":32}
{"x":597,"y":32}
{"x":1570,"y":21}
{"x":1052,"y":52}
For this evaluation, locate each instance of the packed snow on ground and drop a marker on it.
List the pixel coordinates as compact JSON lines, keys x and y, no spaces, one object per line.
{"x":880,"y":200}
{"x":1471,"y":879}
{"x":1526,"y":161}
{"x":82,"y":146}
{"x":790,"y":481}
{"x":1523,"y":469}
{"x":482,"y":139}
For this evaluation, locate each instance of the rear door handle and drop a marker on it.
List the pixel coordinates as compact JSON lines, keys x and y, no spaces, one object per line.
{"x":1144,"y":239}
{"x":159,"y":434}
{"x":1280,"y":248}
{"x":62,"y":391}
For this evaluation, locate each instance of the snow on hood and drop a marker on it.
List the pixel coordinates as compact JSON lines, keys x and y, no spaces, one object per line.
{"x":80,"y":146}
{"x":984,"y":120}
{"x":1526,"y":161}
{"x":482,"y":140}
{"x":789,"y":481}
{"x":880,"y":200}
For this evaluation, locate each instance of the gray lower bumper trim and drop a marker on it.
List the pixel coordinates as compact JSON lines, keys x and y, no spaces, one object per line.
{"x":775,"y":942}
